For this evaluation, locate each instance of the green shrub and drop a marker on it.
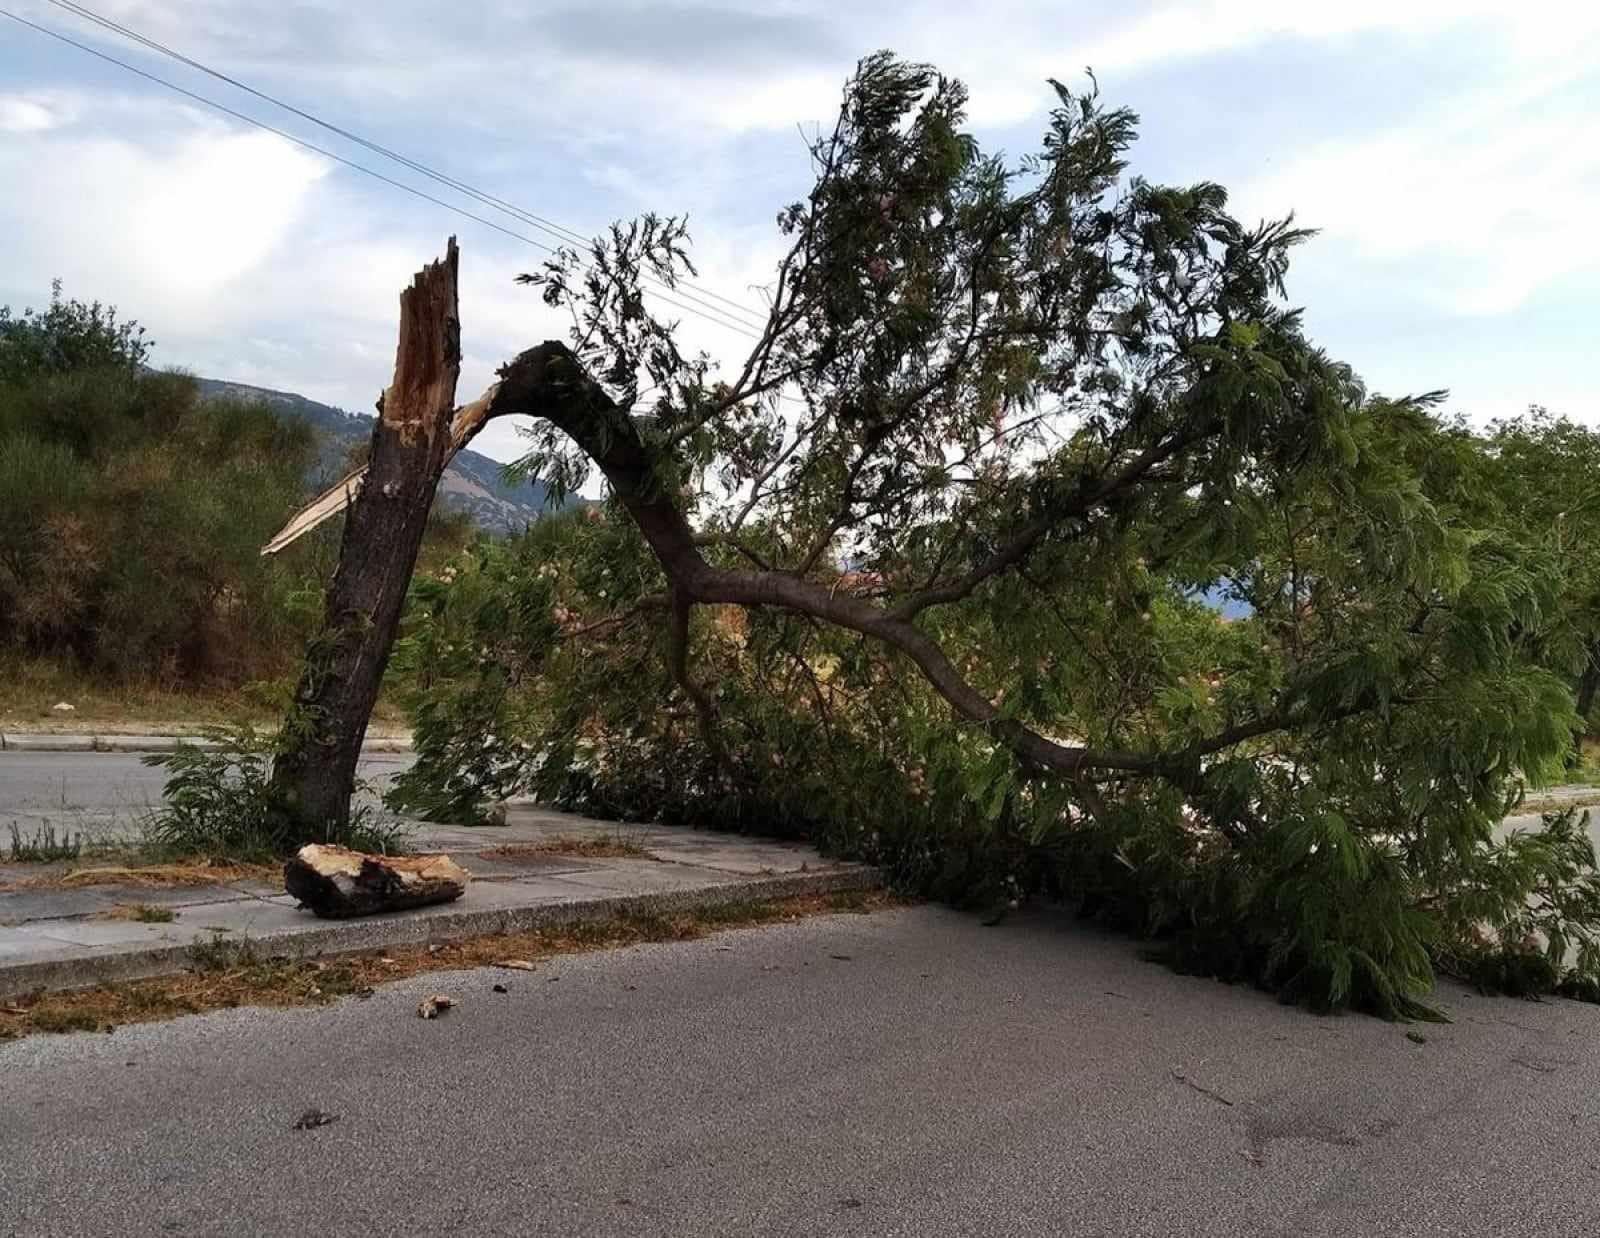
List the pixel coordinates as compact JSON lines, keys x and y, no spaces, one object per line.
{"x":132,"y":511}
{"x":218,"y":802}
{"x":1350,"y":891}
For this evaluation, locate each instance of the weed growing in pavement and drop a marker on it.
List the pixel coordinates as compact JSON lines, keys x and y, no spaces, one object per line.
{"x":44,"y":845}
{"x":149,"y":913}
{"x":221,"y":952}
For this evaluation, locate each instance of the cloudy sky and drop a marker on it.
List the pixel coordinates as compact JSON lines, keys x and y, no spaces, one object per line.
{"x":1447,"y":149}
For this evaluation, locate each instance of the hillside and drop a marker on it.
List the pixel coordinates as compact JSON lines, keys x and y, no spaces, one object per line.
{"x":472,"y":483}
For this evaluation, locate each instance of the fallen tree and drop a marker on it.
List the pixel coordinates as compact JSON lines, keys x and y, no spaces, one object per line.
{"x":1002,"y":425}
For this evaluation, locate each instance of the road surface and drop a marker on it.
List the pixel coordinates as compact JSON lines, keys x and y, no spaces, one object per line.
{"x":906,"y":1073}
{"x":104,"y":795}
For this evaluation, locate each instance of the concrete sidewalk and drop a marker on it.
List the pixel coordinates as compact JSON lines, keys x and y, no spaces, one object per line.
{"x":62,"y":938}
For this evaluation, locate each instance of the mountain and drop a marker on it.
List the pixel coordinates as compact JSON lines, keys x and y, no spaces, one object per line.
{"x":471,"y":483}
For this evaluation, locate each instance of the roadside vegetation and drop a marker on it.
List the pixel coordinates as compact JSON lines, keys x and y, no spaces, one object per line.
{"x":218,"y":804}
{"x":132,"y":513}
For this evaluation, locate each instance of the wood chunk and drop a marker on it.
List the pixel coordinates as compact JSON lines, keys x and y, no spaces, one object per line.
{"x":337,"y":883}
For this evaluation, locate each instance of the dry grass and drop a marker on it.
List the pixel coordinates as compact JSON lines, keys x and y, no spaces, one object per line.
{"x":143,"y":913}
{"x":183,"y":874}
{"x":108,"y":706}
{"x":604,"y":846}
{"x":231,"y":973}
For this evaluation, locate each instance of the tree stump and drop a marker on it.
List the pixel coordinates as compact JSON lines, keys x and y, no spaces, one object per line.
{"x":337,"y":883}
{"x":314,"y":776}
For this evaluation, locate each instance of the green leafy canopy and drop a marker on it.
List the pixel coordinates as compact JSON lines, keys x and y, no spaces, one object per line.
{"x":921,"y":576}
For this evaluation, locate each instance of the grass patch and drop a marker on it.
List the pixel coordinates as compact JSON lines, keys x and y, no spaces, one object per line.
{"x":603,"y":846}
{"x":142,"y":913}
{"x":44,"y":845}
{"x":221,"y":953}
{"x":228,"y":972}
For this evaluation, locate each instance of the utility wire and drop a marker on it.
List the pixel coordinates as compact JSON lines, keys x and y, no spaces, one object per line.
{"x":702,"y":297}
{"x":727,"y":323}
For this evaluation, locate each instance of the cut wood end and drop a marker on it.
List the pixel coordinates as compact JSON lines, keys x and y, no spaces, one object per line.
{"x":433,"y":1007}
{"x":336,"y":882}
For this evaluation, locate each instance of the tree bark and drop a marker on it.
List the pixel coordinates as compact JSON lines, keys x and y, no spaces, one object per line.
{"x":314,"y":774}
{"x":337,"y":883}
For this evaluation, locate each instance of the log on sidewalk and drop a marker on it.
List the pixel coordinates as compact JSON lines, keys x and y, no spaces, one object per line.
{"x":337,"y":883}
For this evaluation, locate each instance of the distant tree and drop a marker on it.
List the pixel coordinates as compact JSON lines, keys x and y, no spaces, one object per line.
{"x":1539,"y":478}
{"x":69,"y":336}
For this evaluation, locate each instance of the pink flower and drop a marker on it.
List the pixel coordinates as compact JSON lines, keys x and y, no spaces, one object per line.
{"x":878,"y":268}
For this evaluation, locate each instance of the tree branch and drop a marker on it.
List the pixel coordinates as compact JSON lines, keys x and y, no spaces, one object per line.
{"x":577,"y":406}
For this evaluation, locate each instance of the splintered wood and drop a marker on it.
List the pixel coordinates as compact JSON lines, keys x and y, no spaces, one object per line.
{"x":337,"y":883}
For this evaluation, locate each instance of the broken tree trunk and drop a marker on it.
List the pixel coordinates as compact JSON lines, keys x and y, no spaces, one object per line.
{"x":314,"y":774}
{"x":336,"y":883}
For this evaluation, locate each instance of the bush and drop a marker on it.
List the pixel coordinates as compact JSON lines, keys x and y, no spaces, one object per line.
{"x":132,"y":511}
{"x":218,"y":803}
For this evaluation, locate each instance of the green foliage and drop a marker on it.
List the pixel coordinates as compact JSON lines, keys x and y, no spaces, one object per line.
{"x":477,"y":635}
{"x":218,"y":803}
{"x":1533,"y":480}
{"x":69,"y":337}
{"x":1033,"y":411}
{"x":132,"y":513}
{"x":220,"y":953}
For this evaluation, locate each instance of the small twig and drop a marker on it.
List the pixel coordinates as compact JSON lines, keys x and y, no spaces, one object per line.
{"x":1204,"y":1091}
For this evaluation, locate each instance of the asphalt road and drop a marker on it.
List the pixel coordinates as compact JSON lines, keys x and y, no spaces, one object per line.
{"x":903,"y":1073}
{"x":104,"y":795}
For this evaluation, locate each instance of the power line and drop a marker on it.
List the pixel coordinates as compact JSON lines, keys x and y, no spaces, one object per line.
{"x":707,"y":314}
{"x":701,"y":297}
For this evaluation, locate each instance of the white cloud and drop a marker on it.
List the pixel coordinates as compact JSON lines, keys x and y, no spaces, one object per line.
{"x":1476,"y":208}
{"x":25,"y":114}
{"x":170,"y":222}
{"x":250,"y":259}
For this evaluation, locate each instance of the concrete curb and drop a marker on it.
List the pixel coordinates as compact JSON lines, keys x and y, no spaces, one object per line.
{"x":47,"y":743}
{"x":146,"y":743}
{"x":438,"y":924}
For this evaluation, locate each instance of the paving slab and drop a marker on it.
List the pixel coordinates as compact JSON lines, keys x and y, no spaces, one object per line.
{"x":20,"y":906}
{"x":85,"y":931}
{"x":490,"y":867}
{"x":189,"y":896}
{"x":748,"y":858}
{"x":57,"y":938}
{"x":645,"y":877}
